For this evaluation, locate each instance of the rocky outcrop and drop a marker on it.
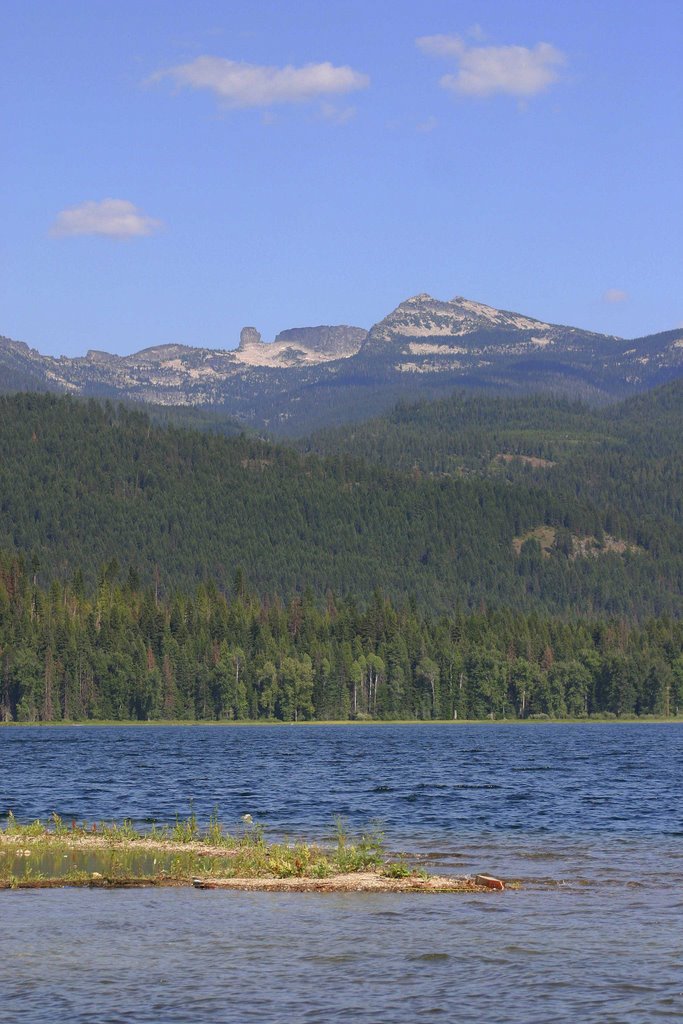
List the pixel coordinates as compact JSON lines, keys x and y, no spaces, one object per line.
{"x":299,"y":346}
{"x":336,"y":342}
{"x":249,"y":337}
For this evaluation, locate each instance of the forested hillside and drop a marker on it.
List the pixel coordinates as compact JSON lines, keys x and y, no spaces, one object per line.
{"x":504,"y":558}
{"x":122,"y":653}
{"x":624,"y":460}
{"x":466,"y":432}
{"x":83,"y":484}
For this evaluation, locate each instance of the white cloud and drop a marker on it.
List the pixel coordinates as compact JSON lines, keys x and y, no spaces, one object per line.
{"x":487,"y":70}
{"x":239,"y":84}
{"x":114,"y":218}
{"x":614,"y":295}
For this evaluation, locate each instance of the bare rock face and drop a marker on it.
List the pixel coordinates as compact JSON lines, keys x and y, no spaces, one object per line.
{"x":300,"y":346}
{"x":249,"y":336}
{"x":339,"y":341}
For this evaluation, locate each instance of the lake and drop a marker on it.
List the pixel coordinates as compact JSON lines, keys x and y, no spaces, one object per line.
{"x":589,"y":818}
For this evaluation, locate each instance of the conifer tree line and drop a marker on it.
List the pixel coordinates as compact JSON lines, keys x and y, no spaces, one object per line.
{"x":124,"y":652}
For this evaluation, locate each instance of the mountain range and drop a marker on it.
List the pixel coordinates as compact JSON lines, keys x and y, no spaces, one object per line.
{"x":313,"y":377}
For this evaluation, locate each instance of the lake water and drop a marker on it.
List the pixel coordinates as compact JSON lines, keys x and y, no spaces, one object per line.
{"x":588,"y":817}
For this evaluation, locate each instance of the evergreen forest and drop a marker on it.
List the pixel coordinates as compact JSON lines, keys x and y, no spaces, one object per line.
{"x":473,"y":556}
{"x":123,"y":653}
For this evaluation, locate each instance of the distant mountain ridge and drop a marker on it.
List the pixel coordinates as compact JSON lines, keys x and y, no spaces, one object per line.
{"x":424,"y":316}
{"x":310,"y":377}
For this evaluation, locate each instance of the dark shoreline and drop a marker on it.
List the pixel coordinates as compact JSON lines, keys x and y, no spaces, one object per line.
{"x":250,"y":723}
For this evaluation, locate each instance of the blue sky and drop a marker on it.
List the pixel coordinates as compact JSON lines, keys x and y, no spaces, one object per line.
{"x":174,"y":171}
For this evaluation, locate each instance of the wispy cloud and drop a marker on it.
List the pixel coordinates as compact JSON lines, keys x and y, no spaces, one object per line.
{"x":337,"y":115}
{"x":114,"y":218}
{"x":441,"y":46}
{"x":426,"y":126}
{"x":240,"y":85}
{"x":476,"y":32}
{"x":614,"y":295}
{"x":487,"y":70}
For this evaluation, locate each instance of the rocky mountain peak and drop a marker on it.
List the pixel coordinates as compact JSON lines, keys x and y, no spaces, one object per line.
{"x":423,"y":316}
{"x":249,"y":336}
